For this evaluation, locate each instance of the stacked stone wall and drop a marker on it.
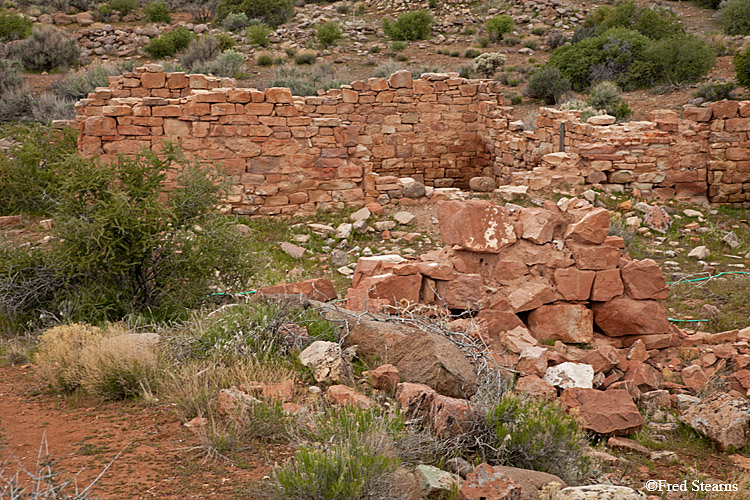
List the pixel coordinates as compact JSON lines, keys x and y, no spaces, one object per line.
{"x":356,"y":144}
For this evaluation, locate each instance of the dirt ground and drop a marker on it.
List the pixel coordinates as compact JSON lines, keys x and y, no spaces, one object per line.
{"x":156,"y":458}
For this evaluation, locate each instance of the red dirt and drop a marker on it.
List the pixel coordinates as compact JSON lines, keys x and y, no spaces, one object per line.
{"x":156,"y":463}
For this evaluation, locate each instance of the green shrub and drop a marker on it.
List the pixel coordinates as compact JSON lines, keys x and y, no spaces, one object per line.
{"x":548,"y":84}
{"x":606,"y":96}
{"x":715,"y":91}
{"x":49,"y":106}
{"x":709,"y":4}
{"x":124,"y":7}
{"x":341,"y":472}
{"x":78,"y":85}
{"x":414,"y":25}
{"x":14,"y":27}
{"x":31,"y":173}
{"x":169,"y":43}
{"x":608,"y":56}
{"x":681,"y":59}
{"x":472,"y":53}
{"x":498,"y":26}
{"x":46,"y":49}
{"x":328,"y":33}
{"x":399,"y":45}
{"x":534,"y":434}
{"x":538,"y":30}
{"x":149,"y":255}
{"x":265,"y":60}
{"x":258,"y":34}
{"x":652,"y":22}
{"x":271,"y":12}
{"x":226,"y":41}
{"x":489,"y":63}
{"x":742,"y":67}
{"x":235,"y":21}
{"x":516,"y":100}
{"x":157,"y":12}
{"x":306,"y":57}
{"x":734,"y":17}
{"x":308,"y":81}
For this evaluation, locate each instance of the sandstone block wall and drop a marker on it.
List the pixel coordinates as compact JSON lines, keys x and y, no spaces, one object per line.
{"x":349,"y":146}
{"x":288,"y":154}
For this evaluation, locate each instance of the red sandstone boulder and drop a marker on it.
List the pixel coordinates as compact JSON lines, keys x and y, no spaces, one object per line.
{"x":343,"y":395}
{"x":465,"y":291}
{"x":389,"y":288}
{"x":571,"y":323}
{"x":436,"y":270}
{"x":420,"y":356}
{"x":530,"y":295}
{"x":592,"y":228}
{"x":624,"y":316}
{"x":532,"y":361}
{"x":539,"y":225}
{"x":694,"y":378}
{"x":536,"y":386}
{"x":476,"y":225}
{"x":414,"y":399}
{"x":384,"y":377}
{"x":450,"y":416}
{"x":603,"y":358}
{"x":644,"y":279}
{"x":644,"y":376}
{"x":486,"y":483}
{"x":574,"y":284}
{"x":594,"y":257}
{"x":607,"y":285}
{"x":499,"y":317}
{"x":604,"y":412}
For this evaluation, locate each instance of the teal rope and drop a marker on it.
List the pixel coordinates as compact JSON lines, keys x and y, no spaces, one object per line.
{"x":688,"y":320}
{"x":251,"y":292}
{"x":707,"y":277}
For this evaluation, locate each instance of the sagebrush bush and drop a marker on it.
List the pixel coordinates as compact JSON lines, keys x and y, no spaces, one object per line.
{"x":548,"y":84}
{"x":169,"y":43}
{"x":534,"y":434}
{"x":200,"y":51}
{"x":78,"y":85}
{"x":498,"y":26}
{"x":157,"y":12}
{"x":556,"y":39}
{"x":734,"y":17}
{"x":587,"y":111}
{"x":10,"y":75}
{"x":489,"y":63}
{"x":742,"y":67}
{"x":681,"y":59}
{"x":328,"y":33}
{"x":235,"y":21}
{"x":14,"y":27}
{"x":226,"y":41}
{"x":258,"y":34}
{"x":49,"y":106}
{"x":715,"y":91}
{"x":305,"y":82}
{"x":46,"y":49}
{"x":414,"y":25}
{"x":124,"y":7}
{"x":271,"y":12}
{"x":606,"y":96}
{"x":229,"y":63}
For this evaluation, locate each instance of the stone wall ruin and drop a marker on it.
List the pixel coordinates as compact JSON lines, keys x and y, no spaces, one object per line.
{"x":370,"y":140}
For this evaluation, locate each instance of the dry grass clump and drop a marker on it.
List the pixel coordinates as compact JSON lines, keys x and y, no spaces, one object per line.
{"x":109,"y":363}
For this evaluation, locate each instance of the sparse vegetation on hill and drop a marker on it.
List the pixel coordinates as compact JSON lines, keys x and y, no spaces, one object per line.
{"x":271,"y":12}
{"x":13,"y":27}
{"x":169,"y":43}
{"x":157,"y":12}
{"x":47,"y":48}
{"x":415,"y":25}
{"x":734,"y":16}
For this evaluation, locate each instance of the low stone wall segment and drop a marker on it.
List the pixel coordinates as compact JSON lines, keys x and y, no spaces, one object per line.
{"x":356,"y":144}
